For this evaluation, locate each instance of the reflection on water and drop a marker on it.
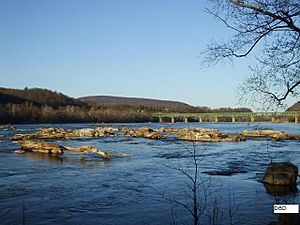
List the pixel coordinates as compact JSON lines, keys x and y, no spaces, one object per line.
{"x":279,"y":190}
{"x":55,"y":159}
{"x":71,"y":190}
{"x":287,"y":219}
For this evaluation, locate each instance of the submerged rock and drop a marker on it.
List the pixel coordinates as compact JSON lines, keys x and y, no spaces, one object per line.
{"x":281,"y":173}
{"x":225,"y":172}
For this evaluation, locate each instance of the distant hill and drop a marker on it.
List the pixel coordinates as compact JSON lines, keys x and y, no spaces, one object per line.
{"x":154,"y":105}
{"x":140,"y":103}
{"x":37,"y":97}
{"x":295,"y":107}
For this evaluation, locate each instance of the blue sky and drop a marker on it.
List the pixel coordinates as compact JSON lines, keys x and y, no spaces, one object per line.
{"x":116,"y":47}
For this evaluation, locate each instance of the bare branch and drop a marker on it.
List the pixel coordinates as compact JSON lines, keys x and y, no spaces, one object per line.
{"x":271,"y":30}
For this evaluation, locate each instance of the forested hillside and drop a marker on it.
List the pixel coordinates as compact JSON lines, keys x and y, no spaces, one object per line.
{"x":295,"y":107}
{"x":38,"y":105}
{"x":38,"y":97}
{"x":153,"y":105}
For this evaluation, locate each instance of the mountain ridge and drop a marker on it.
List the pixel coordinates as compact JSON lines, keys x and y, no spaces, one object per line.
{"x":295,"y":107}
{"x":142,"y":103}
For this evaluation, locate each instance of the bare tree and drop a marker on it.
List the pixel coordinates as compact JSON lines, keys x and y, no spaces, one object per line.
{"x":269,"y":30}
{"x":201,"y":201}
{"x":198,"y":201}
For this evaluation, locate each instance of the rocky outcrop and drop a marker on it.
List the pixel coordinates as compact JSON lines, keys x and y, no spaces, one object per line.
{"x":54,"y":149}
{"x":201,"y":134}
{"x":142,"y":132}
{"x":41,"y":147}
{"x":274,"y":134}
{"x":185,"y":134}
{"x":208,"y":135}
{"x":169,"y":130}
{"x":60,"y":133}
{"x":281,"y":173}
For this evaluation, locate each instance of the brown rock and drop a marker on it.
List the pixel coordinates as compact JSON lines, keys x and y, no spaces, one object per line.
{"x":142,"y":132}
{"x":274,"y":134}
{"x":202,"y":135}
{"x":281,"y":173}
{"x":41,"y":147}
{"x":54,"y":149}
{"x":238,"y":138}
{"x":59,"y":133}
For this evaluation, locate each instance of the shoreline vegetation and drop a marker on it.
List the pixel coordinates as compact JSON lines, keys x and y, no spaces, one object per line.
{"x":35,"y":105}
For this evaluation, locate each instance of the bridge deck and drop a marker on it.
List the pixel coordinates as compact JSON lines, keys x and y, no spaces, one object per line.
{"x":235,"y":116}
{"x":227,"y":114}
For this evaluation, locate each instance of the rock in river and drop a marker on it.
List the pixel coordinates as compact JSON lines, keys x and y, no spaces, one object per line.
{"x":60,"y":133}
{"x":54,"y":149}
{"x":274,"y":134}
{"x":144,"y":132}
{"x":281,"y":173}
{"x":41,"y":147}
{"x":201,"y":134}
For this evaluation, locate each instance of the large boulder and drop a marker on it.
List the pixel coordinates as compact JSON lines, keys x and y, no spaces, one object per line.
{"x":281,"y":173}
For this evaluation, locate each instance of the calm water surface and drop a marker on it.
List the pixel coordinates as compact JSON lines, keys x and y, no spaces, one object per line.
{"x":128,"y":190}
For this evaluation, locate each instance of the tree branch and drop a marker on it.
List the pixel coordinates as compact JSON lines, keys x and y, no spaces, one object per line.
{"x":265,"y":12}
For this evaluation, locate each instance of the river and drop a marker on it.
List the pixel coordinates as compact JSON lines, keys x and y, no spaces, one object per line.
{"x":39,"y":189}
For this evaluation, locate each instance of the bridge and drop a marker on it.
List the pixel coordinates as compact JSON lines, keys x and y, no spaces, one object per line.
{"x":228,"y":116}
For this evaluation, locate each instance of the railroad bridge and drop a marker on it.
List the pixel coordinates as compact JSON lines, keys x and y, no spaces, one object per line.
{"x":229,"y":116}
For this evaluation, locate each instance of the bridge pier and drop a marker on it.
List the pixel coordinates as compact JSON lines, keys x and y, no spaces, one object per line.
{"x":200,"y":119}
{"x":233,"y":120}
{"x":216,"y":120}
{"x":296,"y":120}
{"x":173,"y":120}
{"x":161,"y":120}
{"x":186,"y":119}
{"x":252,"y":119}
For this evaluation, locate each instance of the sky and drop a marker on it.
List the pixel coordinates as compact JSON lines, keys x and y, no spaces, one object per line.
{"x":134,"y":48}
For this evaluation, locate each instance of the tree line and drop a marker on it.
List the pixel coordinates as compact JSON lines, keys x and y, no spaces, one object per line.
{"x":44,"y":106}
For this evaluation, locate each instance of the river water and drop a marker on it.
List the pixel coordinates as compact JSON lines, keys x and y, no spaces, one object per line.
{"x":145,"y":188}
